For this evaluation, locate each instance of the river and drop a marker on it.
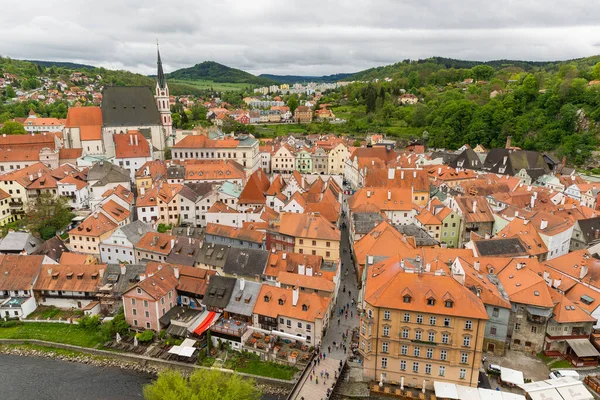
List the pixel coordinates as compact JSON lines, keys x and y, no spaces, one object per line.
{"x":24,"y":378}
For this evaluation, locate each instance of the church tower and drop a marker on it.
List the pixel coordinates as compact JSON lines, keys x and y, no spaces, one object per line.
{"x":162,"y":98}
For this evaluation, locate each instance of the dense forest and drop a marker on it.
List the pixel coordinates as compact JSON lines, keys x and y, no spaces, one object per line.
{"x":212,"y":71}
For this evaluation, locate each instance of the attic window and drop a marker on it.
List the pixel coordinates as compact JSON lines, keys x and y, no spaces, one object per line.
{"x":267,"y":298}
{"x":80,"y":276}
{"x":536,"y":293}
{"x":448,"y":304}
{"x":431,"y":301}
{"x":406,"y":299}
{"x":587,"y":299}
{"x":55,"y":276}
{"x":95,"y":275}
{"x":304,"y":307}
{"x":70,"y":275}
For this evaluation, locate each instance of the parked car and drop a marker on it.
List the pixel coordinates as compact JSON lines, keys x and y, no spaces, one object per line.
{"x":564,"y":373}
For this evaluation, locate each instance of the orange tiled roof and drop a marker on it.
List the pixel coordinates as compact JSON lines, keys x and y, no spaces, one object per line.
{"x":235,"y":233}
{"x":121,"y":192}
{"x":88,"y":120}
{"x":523,"y":285}
{"x":213,"y":170}
{"x":566,"y":311}
{"x":383,"y":240}
{"x":18,"y":272}
{"x":69,"y":154}
{"x":126,"y":147}
{"x":201,"y":141}
{"x":268,"y":304}
{"x":255,"y":189}
{"x":313,"y":226}
{"x":46,"y":181}
{"x":116,"y":211}
{"x":278,"y":263}
{"x":156,"y":242}
{"x":70,"y":277}
{"x":95,"y":225}
{"x":159,"y":284}
{"x":391,"y":199}
{"x":579,"y":290}
{"x":71,"y":180}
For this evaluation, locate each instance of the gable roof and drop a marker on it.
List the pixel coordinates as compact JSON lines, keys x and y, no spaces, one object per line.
{"x":94,"y":225}
{"x":255,"y":189}
{"x":316,"y":306}
{"x":131,"y":145}
{"x":246,"y":262}
{"x":312,"y":226}
{"x":19,"y":272}
{"x":72,"y":278}
{"x":88,"y":120}
{"x":219,"y":291}
{"x":129,"y":106}
{"x":235,"y":233}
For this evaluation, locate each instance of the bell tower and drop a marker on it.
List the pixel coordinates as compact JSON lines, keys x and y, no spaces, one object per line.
{"x":162,"y":97}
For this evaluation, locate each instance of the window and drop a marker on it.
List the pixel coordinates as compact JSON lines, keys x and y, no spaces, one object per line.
{"x":281,"y":320}
{"x":405,"y":333}
{"x":404,"y":349}
{"x":314,"y":242}
{"x":432,"y":320}
{"x":517,"y":326}
{"x":467,"y":341}
{"x":431,"y":301}
{"x":431,"y":336}
{"x":493,"y":331}
{"x":328,"y":244}
{"x":370,"y":313}
{"x":147,"y":314}
{"x":289,"y":323}
{"x":446,"y":321}
{"x":418,"y":335}
{"x":406,"y":299}
{"x":146,"y":303}
{"x":384,"y":347}
{"x":387,"y":315}
{"x":464,"y":358}
{"x":135,"y":322}
{"x":406,"y":317}
{"x":495,"y":312}
{"x":419,"y":319}
{"x":383,"y":362}
{"x":428,"y":369}
{"x":327,"y":254}
{"x":534,"y":329}
{"x":417,"y":352}
{"x":299,"y":324}
{"x":445,"y":338}
{"x":468,"y":324}
{"x":443,"y":355}
{"x":148,"y":325}
{"x":134,"y":312}
{"x":133,"y":302}
{"x":448,"y":303}
{"x":442,"y":371}
{"x":386,"y":331}
{"x":415,"y":367}
{"x":402,"y":365}
{"x":308,"y":327}
{"x":463,"y":373}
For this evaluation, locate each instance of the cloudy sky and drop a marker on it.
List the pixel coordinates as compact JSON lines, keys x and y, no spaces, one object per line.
{"x":295,"y":37}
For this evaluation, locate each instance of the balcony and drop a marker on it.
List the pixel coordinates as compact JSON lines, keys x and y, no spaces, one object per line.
{"x":15,"y":205}
{"x":230,"y":327}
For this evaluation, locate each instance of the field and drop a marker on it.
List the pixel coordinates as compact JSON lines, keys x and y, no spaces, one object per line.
{"x":60,"y":333}
{"x":218,"y":86}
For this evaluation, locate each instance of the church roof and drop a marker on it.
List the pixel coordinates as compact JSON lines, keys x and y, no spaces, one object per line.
{"x":129,"y":106}
{"x":160,"y":77}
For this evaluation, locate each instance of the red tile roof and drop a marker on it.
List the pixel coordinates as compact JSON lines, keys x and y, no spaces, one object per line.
{"x":126,"y":147}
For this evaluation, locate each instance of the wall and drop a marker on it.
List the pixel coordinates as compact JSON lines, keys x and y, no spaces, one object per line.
{"x":495,"y":343}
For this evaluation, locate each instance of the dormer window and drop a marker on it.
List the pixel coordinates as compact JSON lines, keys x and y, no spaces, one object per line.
{"x":304,"y":307}
{"x":448,"y":304}
{"x":267,"y":299}
{"x":406,"y":299}
{"x":280,"y":301}
{"x":431,"y":301}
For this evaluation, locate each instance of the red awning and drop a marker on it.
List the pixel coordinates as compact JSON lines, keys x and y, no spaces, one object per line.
{"x":206,"y":323}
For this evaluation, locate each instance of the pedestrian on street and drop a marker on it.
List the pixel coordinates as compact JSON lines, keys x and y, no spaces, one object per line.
{"x":344,"y":289}
{"x":318,"y":361}
{"x":321,"y":374}
{"x":346,"y":315}
{"x":317,"y":380}
{"x":351,"y":314}
{"x":311,"y":378}
{"x":338,"y":321}
{"x":350,"y":294}
{"x":324,"y":356}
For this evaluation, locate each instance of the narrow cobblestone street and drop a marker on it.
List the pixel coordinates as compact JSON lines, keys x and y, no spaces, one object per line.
{"x":341,"y":323}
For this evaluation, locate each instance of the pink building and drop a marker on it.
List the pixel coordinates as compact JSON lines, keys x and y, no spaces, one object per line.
{"x":150,"y":299}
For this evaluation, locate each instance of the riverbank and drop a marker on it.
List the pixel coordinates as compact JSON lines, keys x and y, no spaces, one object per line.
{"x":118,"y":361}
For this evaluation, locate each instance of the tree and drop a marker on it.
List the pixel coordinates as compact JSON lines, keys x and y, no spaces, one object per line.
{"x":482,"y":72}
{"x":356,"y":143}
{"x":13,"y":128}
{"x":596,"y":71}
{"x":9,"y":92}
{"x":202,"y":384}
{"x":371,"y":98}
{"x":47,"y":215}
{"x":292,"y":103}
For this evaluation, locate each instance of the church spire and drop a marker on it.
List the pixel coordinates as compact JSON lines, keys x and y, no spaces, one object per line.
{"x":161,"y":75}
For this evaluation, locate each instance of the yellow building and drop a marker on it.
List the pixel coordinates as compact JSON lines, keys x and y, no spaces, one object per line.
{"x":337,"y":158}
{"x":419,"y":327}
{"x":311,"y":234}
{"x":5,"y":216}
{"x":86,"y":237}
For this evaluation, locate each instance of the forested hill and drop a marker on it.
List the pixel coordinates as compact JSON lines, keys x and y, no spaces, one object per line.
{"x":61,"y":64}
{"x":549,"y":107}
{"x":213,"y":71}
{"x":291,"y":79}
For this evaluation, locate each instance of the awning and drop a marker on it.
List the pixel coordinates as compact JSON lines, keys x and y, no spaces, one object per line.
{"x":510,"y":396}
{"x":209,"y":318}
{"x":467,"y":393}
{"x":182,"y":351}
{"x":445,"y":390}
{"x":577,"y":392}
{"x":540,"y":312}
{"x":511,"y":376}
{"x":177,"y":330}
{"x":487,"y":394}
{"x":583,"y":347}
{"x":546,"y":394}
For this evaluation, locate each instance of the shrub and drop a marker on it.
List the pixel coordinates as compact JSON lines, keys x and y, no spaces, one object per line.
{"x":146,"y":336}
{"x":89,"y":323}
{"x":10,"y":323}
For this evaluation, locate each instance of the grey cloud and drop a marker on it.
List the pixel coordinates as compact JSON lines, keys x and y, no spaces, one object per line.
{"x":295,"y":37}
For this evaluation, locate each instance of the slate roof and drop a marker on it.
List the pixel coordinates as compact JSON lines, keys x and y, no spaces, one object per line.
{"x":52,"y":248}
{"x":16,"y":242}
{"x":422,"y":238}
{"x":506,"y":247}
{"x":242,"y":301}
{"x":467,"y":159}
{"x":189,"y":231}
{"x":129,"y":106}
{"x":184,"y":252}
{"x":364,"y":222}
{"x":219,"y":291}
{"x":175,"y":172}
{"x":246,"y":262}
{"x":105,"y":172}
{"x":122,"y":282}
{"x":135,"y":230}
{"x":531,"y":161}
{"x":588,"y":229}
{"x":213,"y":254}
{"x":195,"y":190}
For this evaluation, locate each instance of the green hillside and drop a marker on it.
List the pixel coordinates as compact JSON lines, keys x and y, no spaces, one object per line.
{"x":215,"y":72}
{"x":290,"y":79}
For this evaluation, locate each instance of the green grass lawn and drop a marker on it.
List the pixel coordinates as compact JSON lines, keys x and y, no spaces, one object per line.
{"x":60,"y":333}
{"x":270,"y":369}
{"x":544,"y":358}
{"x":219,"y":86}
{"x":561,"y":364}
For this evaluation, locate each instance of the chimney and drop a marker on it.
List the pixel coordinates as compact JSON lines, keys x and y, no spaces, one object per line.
{"x":474,"y":206}
{"x":295,"y":295}
{"x":284,"y":256}
{"x":101,"y":273}
{"x":147,"y":173}
{"x":414,"y":174}
{"x":476,"y":265}
{"x":131,"y":140}
{"x":525,"y":221}
{"x":439,"y":170}
{"x":176,"y":272}
{"x":402,"y":263}
{"x":309,"y":271}
{"x":402,"y":175}
{"x":508,"y":140}
{"x":584,"y":271}
{"x":142,"y":277}
{"x":370,"y":260}
{"x":562,"y":201}
{"x":49,"y":271}
{"x":391,"y":173}
{"x":373,"y":162}
{"x":487,"y":236}
{"x":123,"y":269}
{"x":532,"y":202}
{"x":543,"y":224}
{"x":135,"y":139}
{"x":301,"y":270}
{"x":529,"y":188}
{"x":389,"y":195}
{"x":516,"y":213}
{"x":172,"y":243}
{"x":368,"y":194}
{"x":504,"y":160}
